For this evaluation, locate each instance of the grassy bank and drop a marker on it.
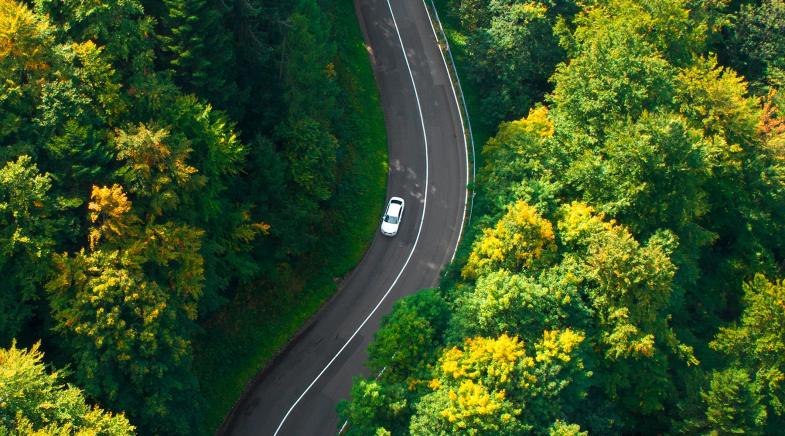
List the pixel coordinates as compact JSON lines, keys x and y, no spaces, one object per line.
{"x":242,"y":339}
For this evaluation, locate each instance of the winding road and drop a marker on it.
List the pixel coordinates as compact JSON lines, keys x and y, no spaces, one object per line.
{"x":298,"y":393}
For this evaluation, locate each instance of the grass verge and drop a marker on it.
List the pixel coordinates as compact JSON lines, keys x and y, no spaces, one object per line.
{"x":242,"y":339}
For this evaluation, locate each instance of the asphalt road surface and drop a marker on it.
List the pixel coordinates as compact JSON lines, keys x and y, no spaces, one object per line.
{"x":298,"y":393}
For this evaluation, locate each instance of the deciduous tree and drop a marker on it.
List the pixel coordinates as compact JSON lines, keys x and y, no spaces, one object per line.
{"x":37,"y":401}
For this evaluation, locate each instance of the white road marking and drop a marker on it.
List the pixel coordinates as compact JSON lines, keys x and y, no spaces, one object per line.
{"x":417,"y":239}
{"x":463,"y":126}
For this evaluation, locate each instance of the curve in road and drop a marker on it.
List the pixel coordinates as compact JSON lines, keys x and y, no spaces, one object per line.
{"x":298,"y":392}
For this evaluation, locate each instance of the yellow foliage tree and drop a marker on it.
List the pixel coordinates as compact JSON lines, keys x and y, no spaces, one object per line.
{"x":109,"y":213}
{"x":522,"y":239}
{"x":486,"y":386}
{"x":24,"y":38}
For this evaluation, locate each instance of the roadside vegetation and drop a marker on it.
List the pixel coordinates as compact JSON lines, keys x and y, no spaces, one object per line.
{"x":181,"y":185}
{"x":623,"y":271}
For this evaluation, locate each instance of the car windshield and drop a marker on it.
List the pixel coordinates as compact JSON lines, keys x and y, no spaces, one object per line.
{"x":391,"y":219}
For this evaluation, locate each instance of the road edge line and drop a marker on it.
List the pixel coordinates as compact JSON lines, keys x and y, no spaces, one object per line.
{"x":466,"y":123}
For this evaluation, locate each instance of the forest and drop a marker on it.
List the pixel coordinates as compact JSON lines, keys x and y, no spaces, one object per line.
{"x":623,"y":270}
{"x":162,"y":164}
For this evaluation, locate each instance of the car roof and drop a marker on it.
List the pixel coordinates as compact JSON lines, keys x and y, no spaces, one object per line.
{"x":394,"y":209}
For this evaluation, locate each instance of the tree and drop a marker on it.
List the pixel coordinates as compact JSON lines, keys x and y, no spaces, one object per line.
{"x":120,"y":26}
{"x":561,"y":428}
{"x":757,"y":343}
{"x":516,"y":304}
{"x":619,"y":67}
{"x":36,"y":401}
{"x":125,"y":310}
{"x":522,"y":162}
{"x":403,"y":350}
{"x":28,"y":235}
{"x":410,"y":336}
{"x":471,"y":408}
{"x":308,"y":69}
{"x":521,"y":240}
{"x":377,"y":408}
{"x":58,"y":99}
{"x":216,"y":207}
{"x":498,"y":386}
{"x":732,"y":404}
{"x":186,"y":174}
{"x":197,"y":48}
{"x":310,"y":150}
{"x":649,"y":174}
{"x":744,"y":172}
{"x":757,"y":45}
{"x":629,"y":286}
{"x":25,"y":59}
{"x":513,"y":56}
{"x":472,"y":13}
{"x":156,"y":169}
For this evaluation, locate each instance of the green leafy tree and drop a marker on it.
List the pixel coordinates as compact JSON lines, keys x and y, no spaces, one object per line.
{"x":59,"y":99}
{"x":308,"y":69}
{"x":521,"y":162}
{"x":561,"y":428}
{"x":125,"y":310}
{"x":629,"y":286}
{"x":218,"y":155}
{"x":649,"y":174}
{"x":473,"y":14}
{"x":376,"y":407}
{"x":757,"y":343}
{"x":406,"y":345}
{"x":632,"y":77}
{"x":310,"y":151}
{"x":504,"y":302}
{"x":39,"y":402}
{"x":757,"y":44}
{"x":120,"y":26}
{"x":732,"y":404}
{"x":186,"y":173}
{"x":28,"y":232}
{"x":25,"y":59}
{"x":410,"y":336}
{"x":156,"y":169}
{"x":744,"y":172}
{"x":513,"y":56}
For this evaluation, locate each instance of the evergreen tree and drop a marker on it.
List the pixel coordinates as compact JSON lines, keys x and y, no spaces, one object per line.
{"x":732,"y":405}
{"x":198,"y":50}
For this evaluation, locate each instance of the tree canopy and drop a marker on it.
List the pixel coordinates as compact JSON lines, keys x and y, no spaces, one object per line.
{"x":157,"y":159}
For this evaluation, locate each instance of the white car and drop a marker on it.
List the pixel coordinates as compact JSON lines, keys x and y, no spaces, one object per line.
{"x":392,"y":216}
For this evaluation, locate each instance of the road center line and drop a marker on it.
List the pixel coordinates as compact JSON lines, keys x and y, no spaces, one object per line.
{"x":417,"y":239}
